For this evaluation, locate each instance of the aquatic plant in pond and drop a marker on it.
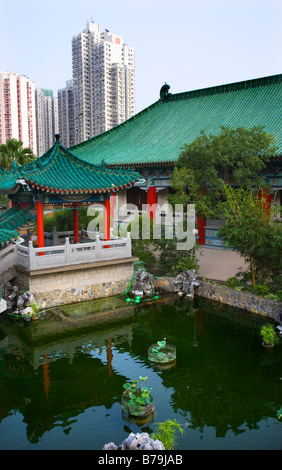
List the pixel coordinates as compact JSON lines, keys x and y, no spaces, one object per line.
{"x":166,"y":433}
{"x":162,"y":353}
{"x":136,"y":399}
{"x":269,"y":335}
{"x":35,"y":307}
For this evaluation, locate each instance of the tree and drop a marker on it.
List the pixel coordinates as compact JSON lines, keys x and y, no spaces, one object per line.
{"x":12,"y":151}
{"x":234,"y":156}
{"x":63,"y":220}
{"x":251,"y":230}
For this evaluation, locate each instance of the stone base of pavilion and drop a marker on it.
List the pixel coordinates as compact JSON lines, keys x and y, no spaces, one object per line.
{"x":64,"y":285}
{"x":69,"y":273}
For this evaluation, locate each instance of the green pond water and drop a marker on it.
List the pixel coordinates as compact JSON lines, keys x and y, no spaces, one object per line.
{"x":61,"y":377}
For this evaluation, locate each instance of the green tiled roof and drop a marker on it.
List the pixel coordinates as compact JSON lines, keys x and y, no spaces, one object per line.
{"x":8,"y":236}
{"x":59,"y":171}
{"x":156,"y":134}
{"x":11,"y":221}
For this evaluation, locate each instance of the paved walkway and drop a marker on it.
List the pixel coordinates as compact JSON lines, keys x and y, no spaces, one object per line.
{"x":218,"y":264}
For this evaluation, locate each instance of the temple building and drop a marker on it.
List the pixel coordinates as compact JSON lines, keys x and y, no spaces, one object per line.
{"x":151,"y":141}
{"x":131,"y":163}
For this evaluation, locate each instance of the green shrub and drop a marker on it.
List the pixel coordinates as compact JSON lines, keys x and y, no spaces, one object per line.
{"x":166,"y":433}
{"x":233,"y":282}
{"x":268,"y":334}
{"x":261,"y":289}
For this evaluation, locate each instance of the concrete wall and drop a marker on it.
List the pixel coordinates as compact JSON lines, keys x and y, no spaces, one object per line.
{"x":71,"y":284}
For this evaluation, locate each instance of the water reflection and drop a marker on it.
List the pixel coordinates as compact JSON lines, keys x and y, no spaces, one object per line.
{"x":68,"y":370}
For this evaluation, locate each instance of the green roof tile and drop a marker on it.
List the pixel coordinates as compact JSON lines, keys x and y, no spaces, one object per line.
{"x":60,"y":171}
{"x":156,"y":134}
{"x":11,"y":221}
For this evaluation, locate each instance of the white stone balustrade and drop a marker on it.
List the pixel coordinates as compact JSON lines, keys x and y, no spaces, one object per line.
{"x":64,"y":255}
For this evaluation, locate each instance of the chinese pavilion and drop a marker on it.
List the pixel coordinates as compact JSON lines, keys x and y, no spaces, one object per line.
{"x":151,"y":141}
{"x":57,"y":178}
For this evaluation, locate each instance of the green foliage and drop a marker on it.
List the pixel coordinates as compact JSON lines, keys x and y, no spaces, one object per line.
{"x":35,"y":308}
{"x":279,"y":413}
{"x":162,"y":353}
{"x":4,"y":200}
{"x":141,"y":237}
{"x":170,"y":260}
{"x":162,"y":252}
{"x":160,"y":345}
{"x":234,"y":156}
{"x":136,"y":397}
{"x":187,"y":262}
{"x":13,"y":151}
{"x":63,"y":220}
{"x":268,"y":334}
{"x":166,"y":433}
{"x":251,"y":230}
{"x":233,"y":282}
{"x":261,"y":290}
{"x":279,"y":295}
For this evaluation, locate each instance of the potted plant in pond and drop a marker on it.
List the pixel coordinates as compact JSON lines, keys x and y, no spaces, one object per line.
{"x":269,"y":335}
{"x":162,"y":353}
{"x":137,"y":401}
{"x":34,"y":310}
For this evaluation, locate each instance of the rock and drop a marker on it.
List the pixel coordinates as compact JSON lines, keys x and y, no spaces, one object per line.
{"x":185,"y":282}
{"x":26,"y":311}
{"x":12,"y":296}
{"x":110,"y":446}
{"x":136,"y":442}
{"x":143,"y":283}
{"x":17,"y":302}
{"x":20,"y":302}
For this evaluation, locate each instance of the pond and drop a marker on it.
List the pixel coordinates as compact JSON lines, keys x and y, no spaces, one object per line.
{"x":62,"y":376}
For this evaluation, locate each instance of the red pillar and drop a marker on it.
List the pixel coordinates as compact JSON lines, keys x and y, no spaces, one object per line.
{"x":152,"y":201}
{"x":201,"y":223}
{"x":40,"y":225}
{"x":107,"y":214}
{"x":75,"y":225}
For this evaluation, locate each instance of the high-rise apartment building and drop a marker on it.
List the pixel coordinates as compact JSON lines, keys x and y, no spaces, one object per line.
{"x":47,"y":121}
{"x":66,"y":115}
{"x":17,"y":110}
{"x":103,"y":81}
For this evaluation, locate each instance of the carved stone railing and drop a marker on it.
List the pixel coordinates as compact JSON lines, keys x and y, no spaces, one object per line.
{"x":67,"y":254}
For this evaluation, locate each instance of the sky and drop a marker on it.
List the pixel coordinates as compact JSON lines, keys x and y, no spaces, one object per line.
{"x":189,"y":44}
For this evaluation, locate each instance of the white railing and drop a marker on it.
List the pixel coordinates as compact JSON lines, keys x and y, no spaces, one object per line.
{"x":65,"y":255}
{"x":8,"y":257}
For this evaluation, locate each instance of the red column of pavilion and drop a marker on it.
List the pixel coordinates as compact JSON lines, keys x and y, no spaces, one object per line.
{"x":75,"y":225}
{"x":107,"y":214}
{"x":152,"y":201}
{"x":40,"y":224}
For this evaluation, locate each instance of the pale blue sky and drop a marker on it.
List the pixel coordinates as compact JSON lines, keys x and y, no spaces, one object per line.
{"x":189,"y":44}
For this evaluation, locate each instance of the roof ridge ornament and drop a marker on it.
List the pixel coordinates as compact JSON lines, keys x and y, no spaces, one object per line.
{"x":164,"y":92}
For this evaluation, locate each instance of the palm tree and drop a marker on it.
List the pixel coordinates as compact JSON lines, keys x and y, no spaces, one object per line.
{"x":12,"y":151}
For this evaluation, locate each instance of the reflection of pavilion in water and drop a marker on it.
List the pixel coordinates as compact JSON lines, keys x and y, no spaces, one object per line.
{"x":86,"y":383}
